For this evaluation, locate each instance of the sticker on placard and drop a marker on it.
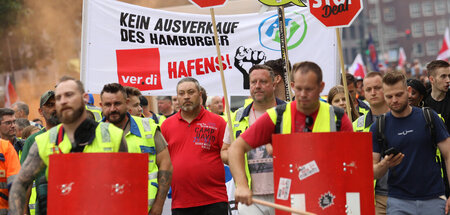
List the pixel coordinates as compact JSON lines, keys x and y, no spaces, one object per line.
{"x":284,"y":187}
{"x":326,"y":200}
{"x":307,"y":170}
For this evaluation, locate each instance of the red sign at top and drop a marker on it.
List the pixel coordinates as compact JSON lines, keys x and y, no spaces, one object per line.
{"x":335,"y":13}
{"x":208,"y":3}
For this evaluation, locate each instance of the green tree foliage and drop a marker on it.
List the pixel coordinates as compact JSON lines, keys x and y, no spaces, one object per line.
{"x":9,"y":10}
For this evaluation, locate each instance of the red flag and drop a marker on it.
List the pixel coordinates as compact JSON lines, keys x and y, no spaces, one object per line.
{"x":10,"y":93}
{"x":444,"y":53}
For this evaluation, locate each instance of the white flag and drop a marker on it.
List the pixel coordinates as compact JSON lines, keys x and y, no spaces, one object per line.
{"x":357,"y":69}
{"x":444,"y":53}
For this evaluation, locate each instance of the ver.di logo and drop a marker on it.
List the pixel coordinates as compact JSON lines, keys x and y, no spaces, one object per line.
{"x":269,"y":33}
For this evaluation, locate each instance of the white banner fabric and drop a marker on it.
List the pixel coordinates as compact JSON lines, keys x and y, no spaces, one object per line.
{"x":153,"y":49}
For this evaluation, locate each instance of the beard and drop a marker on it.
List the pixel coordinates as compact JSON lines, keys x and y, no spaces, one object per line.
{"x":52,"y":119}
{"x":115,"y":120}
{"x":74,"y":116}
{"x":400,"y":108}
{"x":190,"y":108}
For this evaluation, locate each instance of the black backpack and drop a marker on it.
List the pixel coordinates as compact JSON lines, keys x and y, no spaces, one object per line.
{"x":281,"y":108}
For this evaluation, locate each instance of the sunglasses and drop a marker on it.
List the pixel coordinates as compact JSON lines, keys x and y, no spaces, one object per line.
{"x":309,"y":121}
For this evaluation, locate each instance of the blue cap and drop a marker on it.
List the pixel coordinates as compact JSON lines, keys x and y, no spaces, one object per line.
{"x":91,"y":99}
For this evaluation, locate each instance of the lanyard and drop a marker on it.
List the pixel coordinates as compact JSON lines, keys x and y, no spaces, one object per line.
{"x":60,"y":138}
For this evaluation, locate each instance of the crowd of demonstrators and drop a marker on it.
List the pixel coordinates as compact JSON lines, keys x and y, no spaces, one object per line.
{"x":189,"y":132}
{"x":21,"y":123}
{"x":176,"y":105}
{"x":417,"y":93}
{"x":258,"y":165}
{"x":93,"y":111}
{"x":279,"y":70}
{"x":28,"y":131}
{"x":358,"y":104}
{"x":147,"y":113}
{"x":336,"y":97}
{"x":38,"y":121}
{"x":21,"y":111}
{"x":165,"y":106}
{"x":134,"y":103}
{"x":215,"y":105}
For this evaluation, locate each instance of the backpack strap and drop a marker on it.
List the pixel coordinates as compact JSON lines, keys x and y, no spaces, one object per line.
{"x":280,"y":110}
{"x":430,"y":123}
{"x":381,"y":138}
{"x":339,"y":113}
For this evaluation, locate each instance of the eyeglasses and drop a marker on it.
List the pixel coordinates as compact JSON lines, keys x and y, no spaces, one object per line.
{"x":309,"y":121}
{"x":8,"y":123}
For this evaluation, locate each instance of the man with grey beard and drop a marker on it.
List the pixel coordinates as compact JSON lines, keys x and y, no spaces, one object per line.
{"x":48,"y":111}
{"x":194,"y":136}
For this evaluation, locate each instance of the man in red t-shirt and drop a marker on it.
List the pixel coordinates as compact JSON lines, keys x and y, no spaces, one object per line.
{"x":306,"y":114}
{"x":194,"y":136}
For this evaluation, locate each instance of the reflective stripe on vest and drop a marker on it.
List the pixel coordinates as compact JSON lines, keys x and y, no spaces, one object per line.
{"x":96,"y":111}
{"x":111,"y":138}
{"x":32,"y":202}
{"x":238,"y":128}
{"x":146,"y":144}
{"x":324,"y":122}
{"x":362,"y":111}
{"x":358,"y":124}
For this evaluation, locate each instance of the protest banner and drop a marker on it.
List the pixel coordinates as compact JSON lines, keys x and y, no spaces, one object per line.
{"x":153,"y":49}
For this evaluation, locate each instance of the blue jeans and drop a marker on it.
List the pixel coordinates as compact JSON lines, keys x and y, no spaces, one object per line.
{"x":434,"y":206}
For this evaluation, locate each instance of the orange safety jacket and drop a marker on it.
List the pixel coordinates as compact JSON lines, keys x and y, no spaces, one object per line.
{"x":9,"y":167}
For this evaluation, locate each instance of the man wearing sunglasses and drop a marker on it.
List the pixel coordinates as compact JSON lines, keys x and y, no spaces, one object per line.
{"x":306,"y":114}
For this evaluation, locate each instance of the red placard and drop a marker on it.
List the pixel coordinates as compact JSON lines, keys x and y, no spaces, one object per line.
{"x":208,"y":3}
{"x":98,"y":183}
{"x":324,"y":173}
{"x":335,"y":13}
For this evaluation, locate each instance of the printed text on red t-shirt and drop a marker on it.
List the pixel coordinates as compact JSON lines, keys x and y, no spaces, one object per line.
{"x":205,"y":134}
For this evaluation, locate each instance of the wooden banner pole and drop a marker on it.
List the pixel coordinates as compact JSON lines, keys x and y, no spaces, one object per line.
{"x":344,"y":75}
{"x":281,"y":207}
{"x":222,"y":76}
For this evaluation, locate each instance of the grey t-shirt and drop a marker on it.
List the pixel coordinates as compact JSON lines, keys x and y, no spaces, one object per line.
{"x":260,"y":163}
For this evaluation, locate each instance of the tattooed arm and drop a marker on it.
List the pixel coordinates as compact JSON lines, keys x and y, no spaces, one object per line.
{"x":32,"y":166}
{"x":164,"y":173}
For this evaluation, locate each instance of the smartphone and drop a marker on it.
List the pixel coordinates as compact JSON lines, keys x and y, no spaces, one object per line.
{"x":391,"y":150}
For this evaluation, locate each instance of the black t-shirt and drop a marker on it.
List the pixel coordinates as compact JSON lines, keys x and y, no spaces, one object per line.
{"x":441,"y":107}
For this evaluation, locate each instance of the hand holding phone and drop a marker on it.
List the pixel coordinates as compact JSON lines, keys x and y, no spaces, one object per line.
{"x":391,"y":150}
